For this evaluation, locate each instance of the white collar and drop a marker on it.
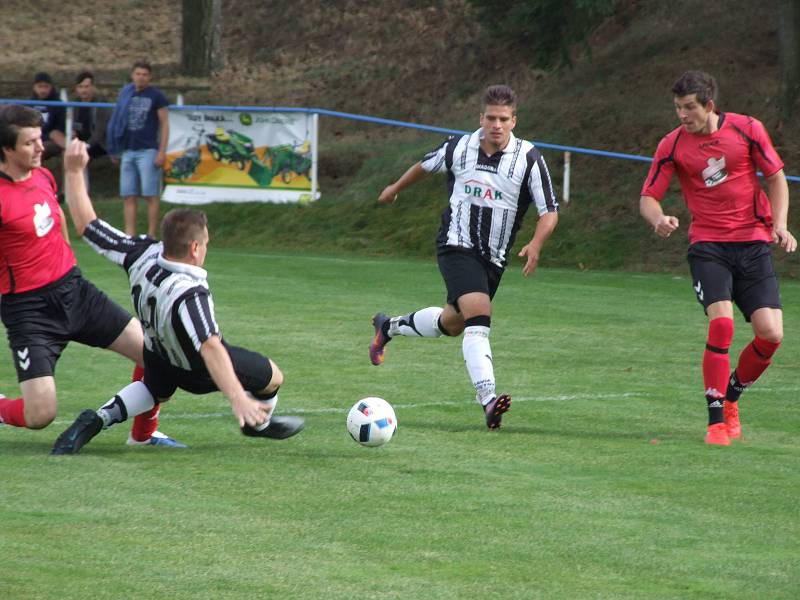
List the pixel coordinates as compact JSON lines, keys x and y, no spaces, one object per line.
{"x":478,"y":136}
{"x":182,"y":267}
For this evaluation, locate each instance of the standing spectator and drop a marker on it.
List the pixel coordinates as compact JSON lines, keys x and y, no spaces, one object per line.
{"x":53,"y":117}
{"x":138,"y":132}
{"x":91,"y":122}
{"x":716,"y":156}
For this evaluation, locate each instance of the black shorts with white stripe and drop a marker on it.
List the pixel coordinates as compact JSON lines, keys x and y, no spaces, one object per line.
{"x":253,"y":370}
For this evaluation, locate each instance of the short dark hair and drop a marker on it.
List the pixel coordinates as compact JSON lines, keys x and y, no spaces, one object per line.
{"x":179,"y":228}
{"x":12,"y":118}
{"x":142,"y":64}
{"x":500,"y":95}
{"x":696,"y":82}
{"x":85,"y":74}
{"x":41,"y":76}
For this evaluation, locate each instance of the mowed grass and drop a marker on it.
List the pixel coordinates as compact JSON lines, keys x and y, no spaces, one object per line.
{"x":597,"y":486}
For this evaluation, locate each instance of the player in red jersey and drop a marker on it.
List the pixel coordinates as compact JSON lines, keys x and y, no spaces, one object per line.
{"x":46,"y":302}
{"x":716,"y":156}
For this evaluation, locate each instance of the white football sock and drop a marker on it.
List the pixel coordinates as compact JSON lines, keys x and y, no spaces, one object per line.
{"x":478,"y":356}
{"x":422,"y":323}
{"x":270,"y":403}
{"x":132,"y":400}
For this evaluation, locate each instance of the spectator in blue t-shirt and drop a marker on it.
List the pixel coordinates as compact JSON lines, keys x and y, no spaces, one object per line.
{"x":138,"y":133}
{"x":54,"y":117}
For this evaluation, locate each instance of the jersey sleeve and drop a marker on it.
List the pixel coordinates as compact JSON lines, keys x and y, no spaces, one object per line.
{"x":434,"y":161}
{"x":762,"y":151}
{"x":161,"y":100}
{"x":661,"y":170}
{"x":540,"y":185}
{"x":196,"y":313}
{"x":116,"y":246}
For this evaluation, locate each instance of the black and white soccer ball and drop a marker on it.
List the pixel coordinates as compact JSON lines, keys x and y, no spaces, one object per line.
{"x":371,"y":421}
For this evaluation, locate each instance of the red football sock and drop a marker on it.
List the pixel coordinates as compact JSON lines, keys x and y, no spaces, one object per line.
{"x":146,"y":423}
{"x":12,"y":412}
{"x":716,"y":361}
{"x":754,"y":360}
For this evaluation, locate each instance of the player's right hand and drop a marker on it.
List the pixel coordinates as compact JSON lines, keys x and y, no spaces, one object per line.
{"x":76,"y":156}
{"x":388,"y":195}
{"x":666,"y":225}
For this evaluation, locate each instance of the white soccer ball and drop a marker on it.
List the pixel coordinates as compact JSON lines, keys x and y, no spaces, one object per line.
{"x":371,"y":421}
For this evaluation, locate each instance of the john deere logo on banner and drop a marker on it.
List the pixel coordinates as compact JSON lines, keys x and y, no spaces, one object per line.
{"x":228,"y":156}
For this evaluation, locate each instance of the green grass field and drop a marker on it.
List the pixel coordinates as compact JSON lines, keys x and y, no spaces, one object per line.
{"x":597,"y":486}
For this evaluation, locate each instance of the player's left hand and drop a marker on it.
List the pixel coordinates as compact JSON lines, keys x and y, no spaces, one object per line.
{"x":530,"y":252}
{"x":249,"y":411}
{"x":784,"y":238}
{"x":76,"y":157}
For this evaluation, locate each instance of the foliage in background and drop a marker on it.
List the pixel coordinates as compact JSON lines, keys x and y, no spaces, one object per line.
{"x":548,"y":28}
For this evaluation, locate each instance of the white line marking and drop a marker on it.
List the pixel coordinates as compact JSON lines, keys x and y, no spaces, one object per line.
{"x":169,"y":416}
{"x":400,"y":406}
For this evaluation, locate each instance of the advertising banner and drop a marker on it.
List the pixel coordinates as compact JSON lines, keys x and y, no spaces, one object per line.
{"x":240,"y":156}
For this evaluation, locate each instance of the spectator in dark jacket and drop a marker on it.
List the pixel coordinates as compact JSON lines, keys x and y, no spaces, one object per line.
{"x":54,"y":117}
{"x":91,"y":122}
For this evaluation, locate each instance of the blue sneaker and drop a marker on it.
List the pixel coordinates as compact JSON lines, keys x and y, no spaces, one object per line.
{"x":76,"y":436}
{"x":157,"y":439}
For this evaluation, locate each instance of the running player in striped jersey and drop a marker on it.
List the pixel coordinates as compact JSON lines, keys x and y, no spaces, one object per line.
{"x":183,"y":346}
{"x":716,"y":156}
{"x":492,"y":180}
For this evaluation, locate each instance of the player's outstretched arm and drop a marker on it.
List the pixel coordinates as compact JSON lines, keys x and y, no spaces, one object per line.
{"x":531,"y":251}
{"x":80,"y":205}
{"x":778,"y":192}
{"x":651,"y":211}
{"x":414,"y":174}
{"x":246,"y":410}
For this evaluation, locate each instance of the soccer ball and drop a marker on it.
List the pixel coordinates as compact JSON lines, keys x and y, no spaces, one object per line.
{"x":371,"y":421}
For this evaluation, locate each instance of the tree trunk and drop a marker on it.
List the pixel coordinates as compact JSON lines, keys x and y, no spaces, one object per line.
{"x":789,"y":56}
{"x":201,"y":52}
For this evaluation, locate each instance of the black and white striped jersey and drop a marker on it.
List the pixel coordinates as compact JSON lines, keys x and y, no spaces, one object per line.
{"x":489,"y":195}
{"x":171,"y":299}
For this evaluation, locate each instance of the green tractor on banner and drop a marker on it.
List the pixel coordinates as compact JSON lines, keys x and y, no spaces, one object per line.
{"x":230,"y":147}
{"x":184,"y":166}
{"x":287,"y":161}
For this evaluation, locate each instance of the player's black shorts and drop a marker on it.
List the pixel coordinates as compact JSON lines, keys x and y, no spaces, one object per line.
{"x":465,"y":271}
{"x":39,"y":323}
{"x":738,"y":271}
{"x":162,"y":378}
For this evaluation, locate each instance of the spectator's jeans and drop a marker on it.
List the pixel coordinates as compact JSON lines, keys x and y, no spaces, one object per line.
{"x":138,"y":175}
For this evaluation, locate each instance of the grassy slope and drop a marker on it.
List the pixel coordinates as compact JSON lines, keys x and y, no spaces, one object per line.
{"x":616,"y":99}
{"x":429,"y":64}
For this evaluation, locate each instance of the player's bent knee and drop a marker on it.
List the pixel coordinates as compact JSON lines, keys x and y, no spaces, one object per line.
{"x":277,"y":378}
{"x":39,"y":417}
{"x":454,"y":330}
{"x":772,"y":335}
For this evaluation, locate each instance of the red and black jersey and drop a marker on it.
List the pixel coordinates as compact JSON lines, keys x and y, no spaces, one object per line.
{"x":33,"y":251}
{"x":717,"y":173}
